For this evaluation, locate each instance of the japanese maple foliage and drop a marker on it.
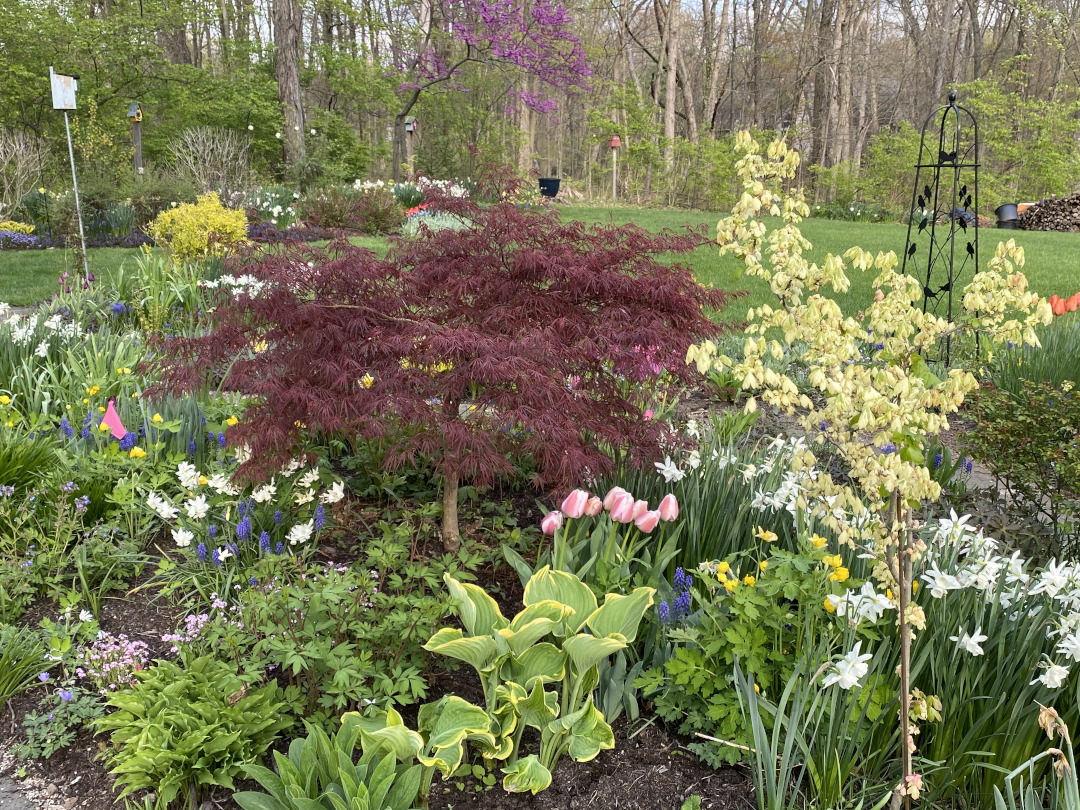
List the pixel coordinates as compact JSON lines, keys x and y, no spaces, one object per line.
{"x":520,"y":334}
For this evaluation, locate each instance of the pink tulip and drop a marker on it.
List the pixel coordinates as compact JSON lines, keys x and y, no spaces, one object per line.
{"x":640,"y":508}
{"x":622,"y":511}
{"x":647,"y":521}
{"x":669,"y":508}
{"x":613,"y":494}
{"x":648,"y":414}
{"x":593,"y":506}
{"x":551,"y":523}
{"x":573,"y":506}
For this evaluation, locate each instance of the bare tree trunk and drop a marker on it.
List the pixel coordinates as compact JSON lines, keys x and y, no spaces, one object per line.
{"x":288,"y":35}
{"x":712,"y":100}
{"x":672,"y":32}
{"x":451,"y":536}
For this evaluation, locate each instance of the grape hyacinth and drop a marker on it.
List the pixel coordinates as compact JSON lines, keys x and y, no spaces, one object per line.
{"x":201,"y":551}
{"x":264,"y":543}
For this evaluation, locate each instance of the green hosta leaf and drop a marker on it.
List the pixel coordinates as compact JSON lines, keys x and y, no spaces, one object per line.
{"x":447,"y":725}
{"x":526,"y":774}
{"x":539,"y":708}
{"x":590,"y":735}
{"x":564,"y":588}
{"x":384,"y":731}
{"x":544,"y":661}
{"x":479,"y":612}
{"x":585,"y":650}
{"x":621,"y":615}
{"x":532,"y":624}
{"x":406,"y":787}
{"x":480,"y":652}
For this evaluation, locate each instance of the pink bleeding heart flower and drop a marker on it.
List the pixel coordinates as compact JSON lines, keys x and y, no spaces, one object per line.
{"x":593,"y":506}
{"x":669,"y":508}
{"x":573,"y":506}
{"x":640,"y":508}
{"x":551,"y":523}
{"x":612,"y":496}
{"x":622,"y":511}
{"x":647,"y":521}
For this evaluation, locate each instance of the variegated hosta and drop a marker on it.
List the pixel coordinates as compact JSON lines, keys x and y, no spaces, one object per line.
{"x":538,"y":669}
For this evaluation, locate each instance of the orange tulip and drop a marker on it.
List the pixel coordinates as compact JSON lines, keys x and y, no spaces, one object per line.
{"x":1070,"y":305}
{"x":1053,"y":299}
{"x":1058,"y":307}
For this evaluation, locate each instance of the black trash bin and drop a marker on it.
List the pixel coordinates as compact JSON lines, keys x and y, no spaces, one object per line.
{"x":1007,"y":216}
{"x":549,"y":186}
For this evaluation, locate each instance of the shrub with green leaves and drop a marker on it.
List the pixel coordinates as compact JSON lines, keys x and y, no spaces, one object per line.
{"x":200,"y":229}
{"x":185,"y":728}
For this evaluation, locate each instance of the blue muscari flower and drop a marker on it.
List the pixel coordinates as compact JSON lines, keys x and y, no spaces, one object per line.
{"x":235,"y":549}
{"x":204,"y":421}
{"x":682,"y":605}
{"x":890,"y":448}
{"x":320,"y":517}
{"x":217,"y":558}
{"x":210,"y":438}
{"x":86,"y":424}
{"x":243,"y":528}
{"x":221,"y":440}
{"x":681,"y":581}
{"x":213,"y":531}
{"x":66,"y":428}
{"x":253,"y":582}
{"x":264,"y":542}
{"x":191,"y":447}
{"x":968,"y":465}
{"x":937,"y":460}
{"x":664,"y":612}
{"x":201,"y":551}
{"x":118,"y":308}
{"x":277,"y":516}
{"x":279,"y":548}
{"x":241,"y":508}
{"x":128,"y":441}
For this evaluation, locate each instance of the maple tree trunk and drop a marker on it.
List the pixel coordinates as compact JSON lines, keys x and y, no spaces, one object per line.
{"x":451,"y":538}
{"x":288,"y":41}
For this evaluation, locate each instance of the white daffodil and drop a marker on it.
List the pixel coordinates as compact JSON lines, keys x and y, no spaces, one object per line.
{"x":182,"y":537}
{"x":972,"y":643}
{"x":265,"y":493}
{"x":188,"y":475}
{"x":848,"y":670}
{"x":669,"y":470}
{"x":1070,"y":646}
{"x":300,"y":533}
{"x":307,"y":496}
{"x":940,"y":583}
{"x":334,"y":494}
{"x":162,"y":507}
{"x":224,"y":554}
{"x":309,"y":479}
{"x":219,"y":482}
{"x":1053,"y":675}
{"x":693,"y":459}
{"x":872,"y":605}
{"x":197,"y":507}
{"x":42,"y":349}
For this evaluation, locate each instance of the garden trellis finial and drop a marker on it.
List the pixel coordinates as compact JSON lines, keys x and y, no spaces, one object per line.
{"x":943,"y":223}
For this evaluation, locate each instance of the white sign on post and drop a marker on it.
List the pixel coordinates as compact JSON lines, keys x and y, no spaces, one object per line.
{"x":63,"y":90}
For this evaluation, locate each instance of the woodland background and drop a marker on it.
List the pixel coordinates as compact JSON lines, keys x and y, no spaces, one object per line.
{"x":318,"y":92}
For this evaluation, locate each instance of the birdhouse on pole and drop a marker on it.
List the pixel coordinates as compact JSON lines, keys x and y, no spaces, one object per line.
{"x":134,"y":115}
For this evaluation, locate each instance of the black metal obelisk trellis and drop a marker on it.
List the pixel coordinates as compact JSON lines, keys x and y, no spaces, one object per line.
{"x":943,"y":225}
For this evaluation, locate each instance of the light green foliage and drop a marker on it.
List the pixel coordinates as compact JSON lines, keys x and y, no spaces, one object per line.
{"x":200,"y":229}
{"x":1064,"y":793}
{"x":319,"y":772}
{"x":186,"y":728}
{"x":56,"y":722}
{"x":22,"y":657}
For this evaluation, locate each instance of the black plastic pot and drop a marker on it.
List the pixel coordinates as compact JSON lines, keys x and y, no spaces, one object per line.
{"x":549,"y":186}
{"x":1009,"y":225}
{"x":1006,"y":213}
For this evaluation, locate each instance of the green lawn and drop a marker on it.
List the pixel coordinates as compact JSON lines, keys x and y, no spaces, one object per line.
{"x":1053,"y":259}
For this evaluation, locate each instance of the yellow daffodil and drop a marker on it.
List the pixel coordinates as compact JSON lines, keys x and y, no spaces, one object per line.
{"x":829,"y":606}
{"x":839,"y":575}
{"x":232,"y":420}
{"x":5,"y":400}
{"x":818,"y":542}
{"x":157,"y":420}
{"x":765,"y":534}
{"x":763,"y":565}
{"x":137,"y":452}
{"x":749,"y":581}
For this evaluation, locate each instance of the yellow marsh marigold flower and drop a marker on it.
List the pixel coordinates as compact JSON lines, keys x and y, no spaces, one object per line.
{"x":137,"y":452}
{"x":763,"y":565}
{"x":765,"y":534}
{"x":818,"y":542}
{"x":749,"y":581}
{"x":231,"y":421}
{"x":829,"y":606}
{"x":731,"y":585}
{"x":102,"y":427}
{"x":835,"y":561}
{"x":5,"y":400}
{"x":839,"y":575}
{"x":722,"y":568}
{"x":157,"y":420}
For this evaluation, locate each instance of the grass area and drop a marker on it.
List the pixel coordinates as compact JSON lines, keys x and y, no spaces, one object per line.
{"x":27,"y":277}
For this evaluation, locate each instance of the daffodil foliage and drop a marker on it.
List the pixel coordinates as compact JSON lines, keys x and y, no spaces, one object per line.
{"x":879,"y":398}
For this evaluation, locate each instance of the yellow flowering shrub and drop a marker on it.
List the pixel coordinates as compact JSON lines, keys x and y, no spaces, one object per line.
{"x":199,"y":229}
{"x":16,"y":227}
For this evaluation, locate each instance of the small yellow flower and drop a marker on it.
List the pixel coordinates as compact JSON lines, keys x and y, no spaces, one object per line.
{"x":757,"y":688}
{"x":299,"y":424}
{"x":829,"y":606}
{"x":124,"y":370}
{"x":5,"y":400}
{"x":259,"y":346}
{"x":101,"y":409}
{"x":85,"y":402}
{"x":103,"y":427}
{"x":41,"y":190}
{"x":232,"y":420}
{"x":157,"y":420}
{"x":749,"y":581}
{"x":10,"y":423}
{"x":914,"y":587}
{"x":818,"y":542}
{"x":135,"y":395}
{"x":888,"y":594}
{"x":92,"y":390}
{"x":202,"y":480}
{"x":723,"y":568}
{"x":839,"y":575}
{"x":137,"y":452}
{"x":731,"y":585}
{"x":763,"y":565}
{"x":765,"y":534}
{"x":367,"y":381}
{"x":68,"y":407}
{"x":835,"y":561}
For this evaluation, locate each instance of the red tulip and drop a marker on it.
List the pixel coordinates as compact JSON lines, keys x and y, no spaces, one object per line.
{"x":647,"y":521}
{"x":551,"y":523}
{"x":669,"y":507}
{"x":593,"y":506}
{"x":573,"y":506}
{"x":622,"y":511}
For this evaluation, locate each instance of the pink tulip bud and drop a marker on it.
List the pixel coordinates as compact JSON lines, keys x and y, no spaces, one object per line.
{"x":647,"y":521}
{"x":573,"y":506}
{"x":669,"y":508}
{"x":648,"y":414}
{"x":551,"y":523}
{"x":612,"y":496}
{"x":593,"y":506}
{"x":622,"y":511}
{"x":640,"y":508}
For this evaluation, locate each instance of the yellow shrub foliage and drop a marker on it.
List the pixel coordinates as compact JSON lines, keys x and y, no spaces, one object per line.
{"x":16,"y":227}
{"x":199,"y":229}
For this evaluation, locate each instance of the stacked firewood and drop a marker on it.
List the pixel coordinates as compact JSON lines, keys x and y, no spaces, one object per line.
{"x":1052,"y":215}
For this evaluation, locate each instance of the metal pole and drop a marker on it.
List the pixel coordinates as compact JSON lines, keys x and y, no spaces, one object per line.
{"x":78,"y":207}
{"x":614,"y":174}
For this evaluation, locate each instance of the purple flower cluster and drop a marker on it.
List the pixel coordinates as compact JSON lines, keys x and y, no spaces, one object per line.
{"x":193,"y":626}
{"x":680,"y":605}
{"x":112,"y":661}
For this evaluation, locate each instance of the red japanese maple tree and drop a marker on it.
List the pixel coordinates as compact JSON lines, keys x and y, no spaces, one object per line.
{"x":522,"y":333}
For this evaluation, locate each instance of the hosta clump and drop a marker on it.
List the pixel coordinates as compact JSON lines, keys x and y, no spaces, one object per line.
{"x":558,"y":363}
{"x":182,"y":729}
{"x":538,"y":670}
